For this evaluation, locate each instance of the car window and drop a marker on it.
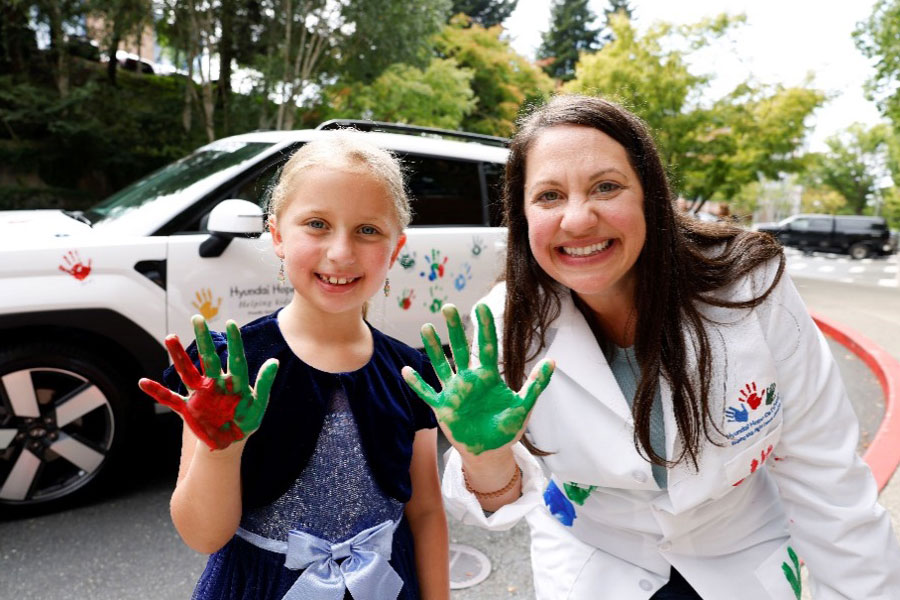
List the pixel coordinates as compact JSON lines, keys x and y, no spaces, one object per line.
{"x":444,"y":191}
{"x":493,"y":179}
{"x":820,"y":225}
{"x":799,"y":224}
{"x":177,"y":176}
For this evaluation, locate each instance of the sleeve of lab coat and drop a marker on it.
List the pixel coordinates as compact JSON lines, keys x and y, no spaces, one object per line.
{"x":829,"y":495}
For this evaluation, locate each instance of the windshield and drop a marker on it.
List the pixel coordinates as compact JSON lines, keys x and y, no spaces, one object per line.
{"x":175,"y":177}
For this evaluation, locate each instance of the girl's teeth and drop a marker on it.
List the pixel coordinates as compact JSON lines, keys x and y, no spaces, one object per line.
{"x":585,"y":250}
{"x":338,"y":280}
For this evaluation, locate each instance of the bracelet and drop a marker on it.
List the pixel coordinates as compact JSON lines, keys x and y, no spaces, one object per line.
{"x":497,"y":493}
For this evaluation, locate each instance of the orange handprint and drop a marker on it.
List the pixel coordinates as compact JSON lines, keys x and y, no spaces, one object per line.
{"x":74,"y":266}
{"x":204,"y":304}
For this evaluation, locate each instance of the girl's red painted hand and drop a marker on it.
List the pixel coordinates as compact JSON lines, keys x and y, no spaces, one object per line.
{"x":220,"y":408}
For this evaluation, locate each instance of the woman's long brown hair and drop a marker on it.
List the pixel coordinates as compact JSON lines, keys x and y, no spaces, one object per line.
{"x":682,"y":261}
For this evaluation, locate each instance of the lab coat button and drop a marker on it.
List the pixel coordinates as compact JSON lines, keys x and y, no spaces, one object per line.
{"x":665,"y":546}
{"x":639,"y":476}
{"x":646,"y":585}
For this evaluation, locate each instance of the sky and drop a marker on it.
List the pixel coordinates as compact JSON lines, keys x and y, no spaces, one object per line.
{"x":781,"y":42}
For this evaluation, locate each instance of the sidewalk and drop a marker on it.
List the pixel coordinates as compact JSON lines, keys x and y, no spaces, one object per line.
{"x":875,"y":313}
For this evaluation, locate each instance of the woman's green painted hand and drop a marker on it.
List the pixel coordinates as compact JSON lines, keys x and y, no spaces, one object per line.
{"x":476,"y":409}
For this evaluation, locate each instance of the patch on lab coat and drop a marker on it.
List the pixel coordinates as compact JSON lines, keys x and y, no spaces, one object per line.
{"x":559,"y":506}
{"x":754,"y":408}
{"x":780,"y":574}
{"x":750,"y":460}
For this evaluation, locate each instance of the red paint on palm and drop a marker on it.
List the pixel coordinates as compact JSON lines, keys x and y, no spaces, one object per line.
{"x":209,"y":409}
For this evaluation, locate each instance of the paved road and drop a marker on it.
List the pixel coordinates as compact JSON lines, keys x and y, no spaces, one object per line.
{"x":880,"y":271}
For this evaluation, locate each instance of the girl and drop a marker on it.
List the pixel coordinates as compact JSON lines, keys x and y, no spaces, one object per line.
{"x":337,"y":492}
{"x":696,"y":432}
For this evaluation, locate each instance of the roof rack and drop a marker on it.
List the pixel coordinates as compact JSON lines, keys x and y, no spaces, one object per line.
{"x":364,"y":125}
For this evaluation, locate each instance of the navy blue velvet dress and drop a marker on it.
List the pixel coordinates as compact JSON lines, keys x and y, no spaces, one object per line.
{"x":331,"y":458}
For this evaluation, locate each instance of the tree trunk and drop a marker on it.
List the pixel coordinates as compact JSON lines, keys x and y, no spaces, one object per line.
{"x":285,"y":73}
{"x":226,"y":55}
{"x":113,"y":62}
{"x":58,"y":44}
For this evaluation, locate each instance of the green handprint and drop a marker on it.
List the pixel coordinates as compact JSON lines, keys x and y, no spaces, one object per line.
{"x":220,"y":408}
{"x":475,"y":405}
{"x":577,"y":492}
{"x":793,"y":575}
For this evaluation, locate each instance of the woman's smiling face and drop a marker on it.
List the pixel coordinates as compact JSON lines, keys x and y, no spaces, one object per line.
{"x":585,"y":210}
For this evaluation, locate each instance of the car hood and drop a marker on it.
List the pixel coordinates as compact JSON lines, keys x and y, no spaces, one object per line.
{"x":17,"y":225}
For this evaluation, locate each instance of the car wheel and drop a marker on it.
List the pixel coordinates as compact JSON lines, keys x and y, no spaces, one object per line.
{"x":859,"y":251}
{"x":63,"y":419}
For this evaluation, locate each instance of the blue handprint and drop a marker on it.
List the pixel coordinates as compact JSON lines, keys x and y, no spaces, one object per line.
{"x":737,"y":415}
{"x":463,"y":277}
{"x":559,"y":506}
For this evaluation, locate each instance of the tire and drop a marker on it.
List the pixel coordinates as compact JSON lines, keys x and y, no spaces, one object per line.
{"x":859,"y":251}
{"x":64,"y":418}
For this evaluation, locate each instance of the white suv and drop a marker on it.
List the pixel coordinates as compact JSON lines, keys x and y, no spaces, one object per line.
{"x":87,"y":298}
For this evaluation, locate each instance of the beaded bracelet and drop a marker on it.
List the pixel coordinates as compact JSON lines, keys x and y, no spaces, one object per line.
{"x":497,"y":493}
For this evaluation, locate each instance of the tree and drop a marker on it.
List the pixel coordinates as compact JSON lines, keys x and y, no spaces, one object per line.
{"x":503,"y":80}
{"x":569,"y":35}
{"x":616,"y":7}
{"x":486,"y":13}
{"x":711,"y":150}
{"x":438,"y":96}
{"x":853,"y":165}
{"x":822,"y":200}
{"x":121,"y":18}
{"x":879,"y":38}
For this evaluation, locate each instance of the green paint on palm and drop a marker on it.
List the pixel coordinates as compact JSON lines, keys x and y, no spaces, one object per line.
{"x":793,"y":574}
{"x":578,"y":493}
{"x":478,"y":408}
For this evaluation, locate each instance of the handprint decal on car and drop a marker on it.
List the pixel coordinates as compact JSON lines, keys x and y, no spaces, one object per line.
{"x":463,"y":277}
{"x":406,"y":298}
{"x":73,"y":265}
{"x":204,"y":304}
{"x":435,"y":266}
{"x":407,"y":260}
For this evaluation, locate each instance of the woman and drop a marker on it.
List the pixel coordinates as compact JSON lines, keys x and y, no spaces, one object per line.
{"x":696,"y":433}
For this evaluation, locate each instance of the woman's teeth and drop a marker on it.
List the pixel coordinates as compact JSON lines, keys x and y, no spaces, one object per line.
{"x":586,"y":250}
{"x":337,"y":280}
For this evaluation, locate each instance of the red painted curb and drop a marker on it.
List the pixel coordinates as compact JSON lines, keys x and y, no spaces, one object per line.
{"x":883,"y":455}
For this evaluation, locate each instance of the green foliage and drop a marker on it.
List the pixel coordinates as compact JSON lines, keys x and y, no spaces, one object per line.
{"x":439,"y":96}
{"x":822,"y":200}
{"x":851,"y":165}
{"x":712,"y":150}
{"x":571,"y":33}
{"x":879,"y":38}
{"x":486,"y":13}
{"x":503,"y":81}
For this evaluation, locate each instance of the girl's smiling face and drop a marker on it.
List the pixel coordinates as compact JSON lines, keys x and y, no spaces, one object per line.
{"x":584,"y":205}
{"x":338,"y":235}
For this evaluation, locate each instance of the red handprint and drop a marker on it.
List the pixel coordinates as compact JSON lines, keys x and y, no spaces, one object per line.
{"x":220,"y":408}
{"x":74,"y":266}
{"x":757,"y":463}
{"x":751,"y":396}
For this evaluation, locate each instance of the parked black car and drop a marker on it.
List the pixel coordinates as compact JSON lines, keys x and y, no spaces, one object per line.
{"x":860,"y":237}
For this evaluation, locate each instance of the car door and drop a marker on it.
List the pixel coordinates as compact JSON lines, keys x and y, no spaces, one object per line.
{"x":455,"y":248}
{"x":241,"y":283}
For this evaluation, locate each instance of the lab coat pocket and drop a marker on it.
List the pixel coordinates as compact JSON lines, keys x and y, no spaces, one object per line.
{"x":779,"y":574}
{"x":752,"y":458}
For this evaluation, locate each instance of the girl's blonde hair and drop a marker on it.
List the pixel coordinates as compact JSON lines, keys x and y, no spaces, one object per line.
{"x":343,"y":150}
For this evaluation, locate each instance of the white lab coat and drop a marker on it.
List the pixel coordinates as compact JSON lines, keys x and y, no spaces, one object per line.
{"x":786,"y":474}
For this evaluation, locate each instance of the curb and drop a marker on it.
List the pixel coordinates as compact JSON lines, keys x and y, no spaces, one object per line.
{"x":883,"y":455}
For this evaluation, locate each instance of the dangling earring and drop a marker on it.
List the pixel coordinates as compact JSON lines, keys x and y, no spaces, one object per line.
{"x":387,"y":286}
{"x":281,"y":272}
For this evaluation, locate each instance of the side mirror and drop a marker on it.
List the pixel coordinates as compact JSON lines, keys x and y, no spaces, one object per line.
{"x":786,"y":227}
{"x":236,"y":218}
{"x":230,"y":219}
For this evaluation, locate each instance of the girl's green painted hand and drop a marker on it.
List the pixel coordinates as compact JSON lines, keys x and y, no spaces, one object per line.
{"x":220,"y":408}
{"x":476,"y":409}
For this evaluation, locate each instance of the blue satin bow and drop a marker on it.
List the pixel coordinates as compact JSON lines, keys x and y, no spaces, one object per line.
{"x":365,"y":570}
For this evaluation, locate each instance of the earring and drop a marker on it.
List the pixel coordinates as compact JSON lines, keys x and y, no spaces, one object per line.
{"x":387,"y":286}
{"x":281,"y":272}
